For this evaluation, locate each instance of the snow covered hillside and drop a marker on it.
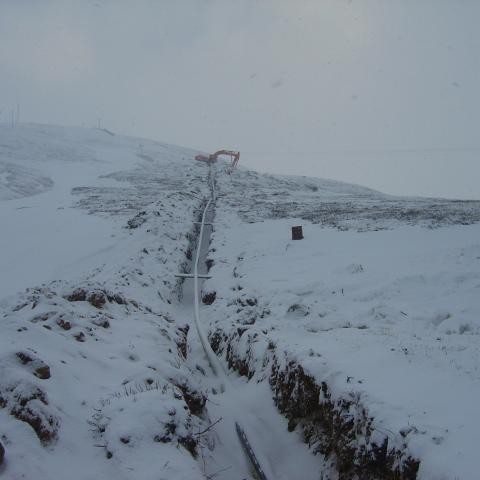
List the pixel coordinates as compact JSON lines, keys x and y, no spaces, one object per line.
{"x":92,"y":363}
{"x":367,"y":330}
{"x":350,"y":354}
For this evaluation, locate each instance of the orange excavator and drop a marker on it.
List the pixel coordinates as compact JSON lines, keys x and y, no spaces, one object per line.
{"x":212,"y":158}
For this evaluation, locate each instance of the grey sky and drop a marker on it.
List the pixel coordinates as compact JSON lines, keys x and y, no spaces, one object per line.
{"x":378,"y":92}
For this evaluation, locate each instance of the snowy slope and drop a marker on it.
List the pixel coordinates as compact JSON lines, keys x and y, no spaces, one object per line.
{"x":379,"y":304}
{"x":371,"y":321}
{"x":75,"y":166}
{"x":101,"y":372}
{"x":92,"y":344}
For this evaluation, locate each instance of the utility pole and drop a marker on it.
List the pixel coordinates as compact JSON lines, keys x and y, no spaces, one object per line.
{"x":18,"y":114}
{"x":13,"y":119}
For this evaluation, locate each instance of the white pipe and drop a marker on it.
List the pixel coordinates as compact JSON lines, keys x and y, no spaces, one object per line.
{"x":217,"y":367}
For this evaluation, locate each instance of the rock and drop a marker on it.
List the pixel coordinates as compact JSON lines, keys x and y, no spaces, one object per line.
{"x":137,"y":220}
{"x":209,"y":263}
{"x":194,"y":399}
{"x":42,"y":372}
{"x":116,"y":298}
{"x":78,"y":295}
{"x":65,"y":324}
{"x":97,"y":299}
{"x":101,"y":322}
{"x":209,"y":298}
{"x":190,"y":443}
{"x":43,"y":317}
{"x":181,"y":340}
{"x":24,"y":357}
{"x":37,"y":366}
{"x":80,"y":337}
{"x":28,"y":403}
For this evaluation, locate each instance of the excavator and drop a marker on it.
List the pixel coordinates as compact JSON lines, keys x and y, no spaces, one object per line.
{"x":212,"y":158}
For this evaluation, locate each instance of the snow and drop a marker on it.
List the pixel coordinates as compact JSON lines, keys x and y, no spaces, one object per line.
{"x":67,"y":241}
{"x":380,"y":300}
{"x":247,"y":406}
{"x":392,"y":315}
{"x":71,"y":242}
{"x":278,"y":452}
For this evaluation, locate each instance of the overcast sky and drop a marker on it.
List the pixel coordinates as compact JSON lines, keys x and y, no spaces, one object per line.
{"x":384,"y":93}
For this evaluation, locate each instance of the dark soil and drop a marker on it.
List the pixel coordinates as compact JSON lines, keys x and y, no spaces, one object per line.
{"x":341,"y":430}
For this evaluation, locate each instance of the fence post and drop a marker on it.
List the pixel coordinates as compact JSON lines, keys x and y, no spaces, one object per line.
{"x":297,"y":233}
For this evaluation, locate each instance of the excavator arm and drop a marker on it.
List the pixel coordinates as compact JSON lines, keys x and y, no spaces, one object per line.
{"x":234,"y":157}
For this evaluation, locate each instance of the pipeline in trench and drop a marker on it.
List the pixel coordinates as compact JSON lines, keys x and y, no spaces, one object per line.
{"x":251,"y":438}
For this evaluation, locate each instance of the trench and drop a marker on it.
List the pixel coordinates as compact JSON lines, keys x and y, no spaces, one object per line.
{"x":233,"y":400}
{"x":340,"y":430}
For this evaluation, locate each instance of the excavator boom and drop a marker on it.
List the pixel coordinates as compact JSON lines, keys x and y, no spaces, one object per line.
{"x":234,"y":156}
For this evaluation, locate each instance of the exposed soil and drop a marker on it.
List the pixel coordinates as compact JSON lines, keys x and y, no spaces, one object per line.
{"x":340,"y":429}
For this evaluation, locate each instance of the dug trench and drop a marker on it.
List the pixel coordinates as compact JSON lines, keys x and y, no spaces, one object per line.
{"x":220,"y":452}
{"x":340,"y":431}
{"x":231,"y":402}
{"x":186,"y":423}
